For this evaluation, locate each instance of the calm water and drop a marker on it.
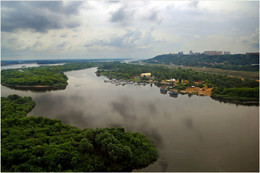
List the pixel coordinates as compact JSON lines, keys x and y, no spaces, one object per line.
{"x":192,"y":133}
{"x":27,"y":65}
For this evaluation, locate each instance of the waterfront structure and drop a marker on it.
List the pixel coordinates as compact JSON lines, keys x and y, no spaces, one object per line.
{"x":213,"y":53}
{"x":227,"y":53}
{"x":148,"y":75}
{"x":252,"y":53}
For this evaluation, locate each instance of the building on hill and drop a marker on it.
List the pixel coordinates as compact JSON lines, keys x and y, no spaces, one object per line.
{"x":147,"y":75}
{"x":226,"y":53}
{"x":213,"y":53}
{"x":252,"y":53}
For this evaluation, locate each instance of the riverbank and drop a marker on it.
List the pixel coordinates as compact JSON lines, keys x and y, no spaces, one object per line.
{"x":235,"y":100}
{"x":205,"y":91}
{"x":36,"y":87}
{"x":42,"y":78}
{"x":183,"y":87}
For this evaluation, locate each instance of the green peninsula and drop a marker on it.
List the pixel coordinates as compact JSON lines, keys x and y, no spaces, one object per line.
{"x":37,"y":144}
{"x":40,"y":78}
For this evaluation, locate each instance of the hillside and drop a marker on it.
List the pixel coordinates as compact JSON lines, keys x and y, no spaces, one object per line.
{"x":241,"y":62}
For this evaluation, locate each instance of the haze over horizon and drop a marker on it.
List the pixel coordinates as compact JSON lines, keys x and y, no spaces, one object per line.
{"x":116,"y":29}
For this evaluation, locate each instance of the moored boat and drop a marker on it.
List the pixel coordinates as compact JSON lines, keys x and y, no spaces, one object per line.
{"x":163,"y":90}
{"x":173,"y":93}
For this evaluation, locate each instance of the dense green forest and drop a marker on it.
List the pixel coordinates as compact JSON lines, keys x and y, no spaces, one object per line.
{"x":235,"y":88}
{"x":237,"y":95}
{"x":241,"y":62}
{"x":50,"y":76}
{"x":37,"y":144}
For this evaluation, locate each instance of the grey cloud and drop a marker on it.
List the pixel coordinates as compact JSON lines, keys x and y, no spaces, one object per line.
{"x":130,"y":39}
{"x":36,"y":44}
{"x":38,"y":16}
{"x":62,"y":45}
{"x":194,"y":4}
{"x":154,"y":17}
{"x":125,"y":16}
{"x":255,"y":45}
{"x":244,"y":41}
{"x":63,"y":35}
{"x":122,"y":16}
{"x":252,"y":40}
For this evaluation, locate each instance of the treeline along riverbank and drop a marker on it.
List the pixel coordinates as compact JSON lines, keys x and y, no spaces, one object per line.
{"x":230,"y":89}
{"x":40,"y":78}
{"x":225,"y":88}
{"x":240,"y":62}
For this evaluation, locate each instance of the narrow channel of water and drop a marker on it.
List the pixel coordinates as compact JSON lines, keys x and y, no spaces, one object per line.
{"x":192,"y":133}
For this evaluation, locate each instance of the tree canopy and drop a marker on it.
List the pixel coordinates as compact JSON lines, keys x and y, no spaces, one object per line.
{"x":49,"y":76}
{"x":37,"y":144}
{"x":225,"y":87}
{"x":241,"y":62}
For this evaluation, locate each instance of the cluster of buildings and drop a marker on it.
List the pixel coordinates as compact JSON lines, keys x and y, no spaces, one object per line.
{"x":207,"y":53}
{"x":214,"y":52}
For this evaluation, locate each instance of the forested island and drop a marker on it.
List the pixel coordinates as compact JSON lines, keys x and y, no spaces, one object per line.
{"x":37,"y":144}
{"x":242,"y":62}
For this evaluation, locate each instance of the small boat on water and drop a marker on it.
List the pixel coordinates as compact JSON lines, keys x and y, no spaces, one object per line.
{"x":163,"y":90}
{"x":190,"y":94}
{"x":173,"y":94}
{"x":98,"y":74}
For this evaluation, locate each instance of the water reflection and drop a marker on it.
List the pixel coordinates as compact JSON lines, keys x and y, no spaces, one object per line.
{"x":191,"y":133}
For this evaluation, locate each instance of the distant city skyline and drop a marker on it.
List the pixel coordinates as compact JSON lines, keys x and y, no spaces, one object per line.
{"x":126,"y":29}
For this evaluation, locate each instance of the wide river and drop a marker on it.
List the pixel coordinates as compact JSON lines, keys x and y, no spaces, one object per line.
{"x":191,"y":133}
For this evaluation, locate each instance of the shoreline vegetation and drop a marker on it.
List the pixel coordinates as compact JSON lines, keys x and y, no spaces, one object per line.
{"x":237,"y":62}
{"x":219,"y":87}
{"x":37,"y":144}
{"x":41,"y":78}
{"x":184,"y":81}
{"x":254,"y":75}
{"x":35,"y":87}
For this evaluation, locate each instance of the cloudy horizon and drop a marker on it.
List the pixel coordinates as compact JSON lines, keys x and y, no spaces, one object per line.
{"x":124,"y":29}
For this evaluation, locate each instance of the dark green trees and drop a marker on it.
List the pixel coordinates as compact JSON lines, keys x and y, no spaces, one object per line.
{"x":51,"y":77}
{"x":41,"y":144}
{"x":241,"y":62}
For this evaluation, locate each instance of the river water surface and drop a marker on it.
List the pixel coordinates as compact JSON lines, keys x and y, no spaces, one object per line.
{"x":191,"y":133}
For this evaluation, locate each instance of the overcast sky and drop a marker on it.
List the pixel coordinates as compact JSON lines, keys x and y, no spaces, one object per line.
{"x":128,"y":29}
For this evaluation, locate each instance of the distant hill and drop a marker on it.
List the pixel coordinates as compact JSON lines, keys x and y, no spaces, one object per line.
{"x":242,"y":62}
{"x":56,"y":61}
